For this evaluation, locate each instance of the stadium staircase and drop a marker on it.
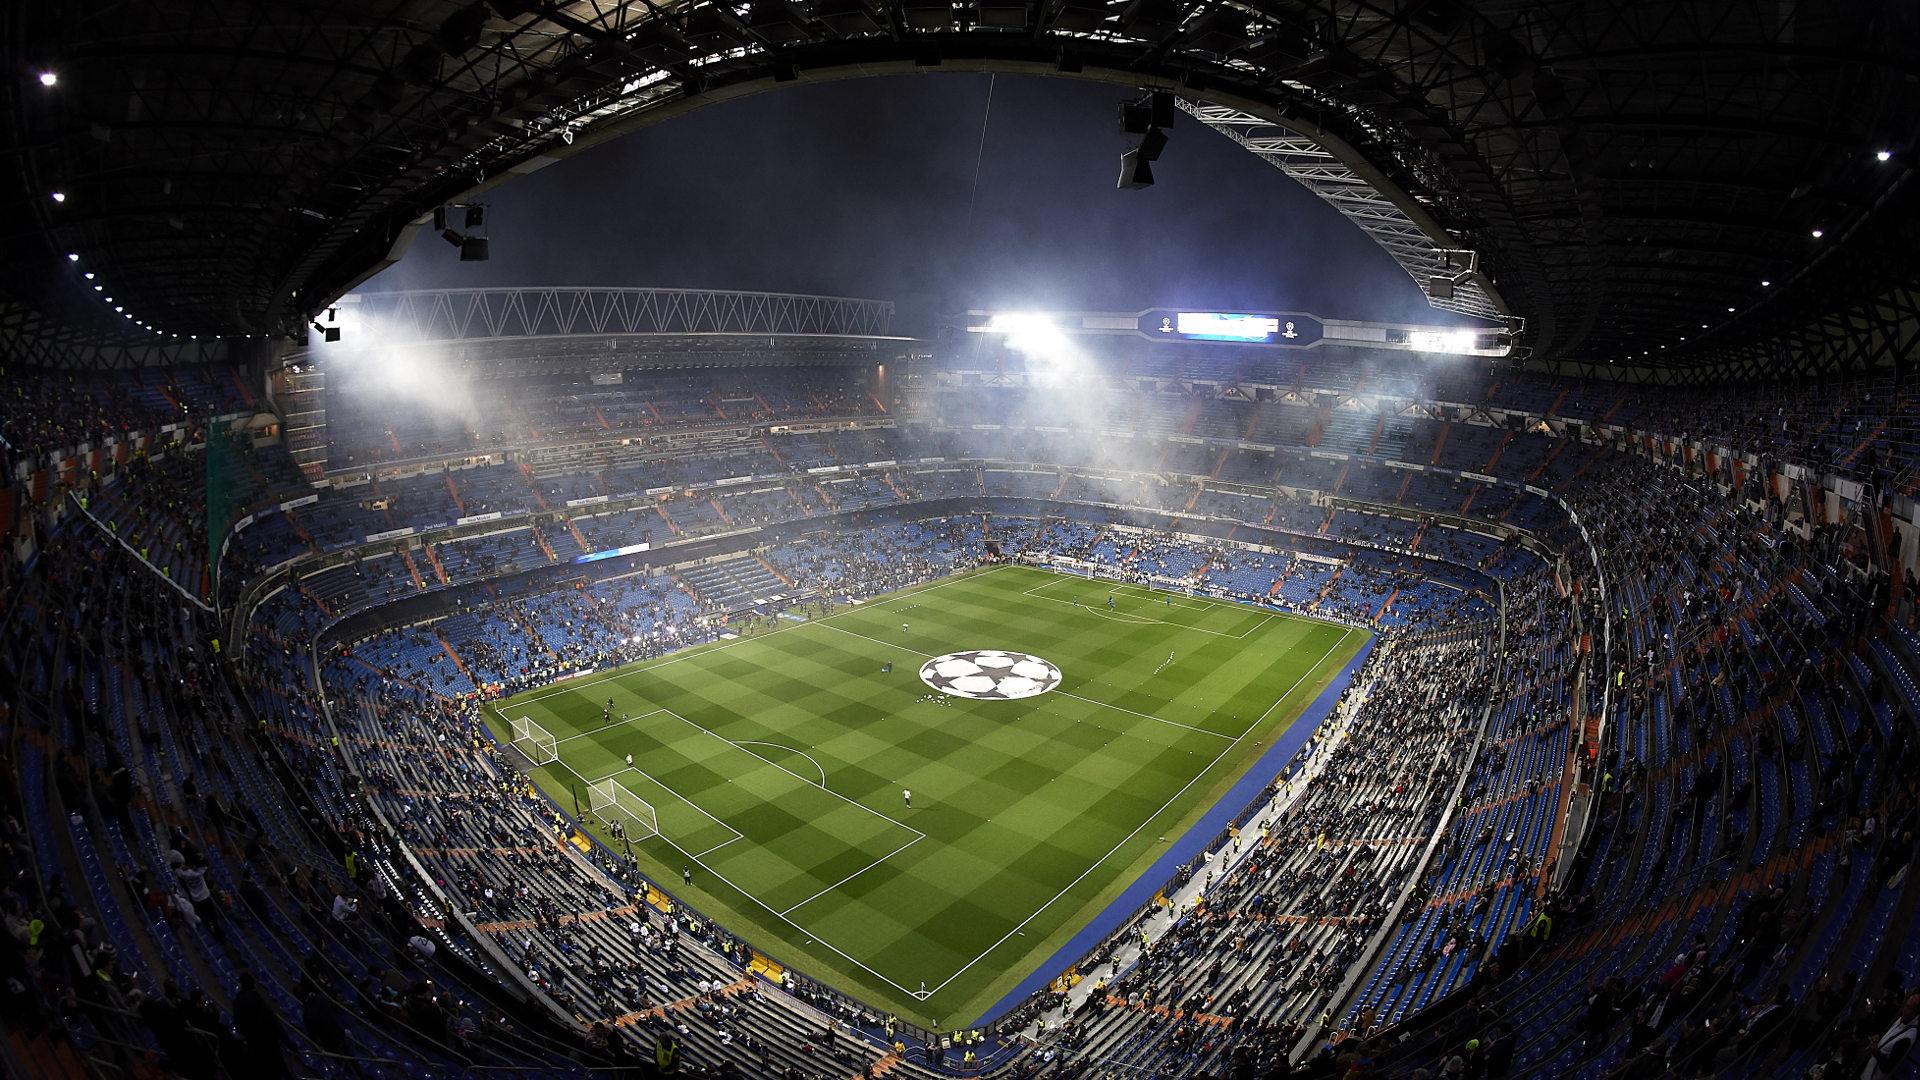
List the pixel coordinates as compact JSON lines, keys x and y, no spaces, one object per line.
{"x":48,"y":1056}
{"x":771,"y":569}
{"x":413,"y":570}
{"x":546,"y":549}
{"x":455,"y":657}
{"x":306,"y":538}
{"x":1385,"y":607}
{"x":1327,"y":589}
{"x":533,"y":485}
{"x":433,"y":560}
{"x":1493,"y":462}
{"x":672,"y":528}
{"x":1541,"y":469}
{"x":1865,"y":441}
{"x":1319,"y":427}
{"x":315,"y":601}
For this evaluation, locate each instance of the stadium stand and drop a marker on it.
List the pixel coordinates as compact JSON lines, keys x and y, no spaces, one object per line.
{"x":1609,"y":522}
{"x":315,"y":857}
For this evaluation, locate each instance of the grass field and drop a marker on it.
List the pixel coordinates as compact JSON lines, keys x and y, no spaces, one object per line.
{"x":775,"y":765}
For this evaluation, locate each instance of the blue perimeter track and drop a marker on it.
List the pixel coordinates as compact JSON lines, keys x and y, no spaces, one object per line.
{"x":1252,"y":783}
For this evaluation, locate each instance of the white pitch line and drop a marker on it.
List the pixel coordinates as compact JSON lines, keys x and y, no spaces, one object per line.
{"x":1188,"y":601}
{"x":863,"y":966}
{"x":692,"y":652}
{"x":710,"y":850}
{"x":1142,"y":620}
{"x":790,"y":772}
{"x":855,"y":874}
{"x":1143,"y":716}
{"x":788,"y":749}
{"x":811,"y":937}
{"x":1062,"y":693}
{"x":628,"y":722}
{"x":656,"y":814}
{"x":1091,"y":867}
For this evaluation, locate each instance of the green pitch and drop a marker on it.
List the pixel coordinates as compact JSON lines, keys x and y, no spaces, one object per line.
{"x":776,"y":764}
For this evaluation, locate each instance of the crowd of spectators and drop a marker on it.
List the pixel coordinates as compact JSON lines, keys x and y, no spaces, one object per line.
{"x":1740,"y":901}
{"x":48,"y":411}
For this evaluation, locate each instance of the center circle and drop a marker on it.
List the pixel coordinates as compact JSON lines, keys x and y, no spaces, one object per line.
{"x":990,"y":675}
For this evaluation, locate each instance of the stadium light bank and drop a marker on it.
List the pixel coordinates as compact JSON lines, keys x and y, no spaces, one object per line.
{"x":1051,"y":337}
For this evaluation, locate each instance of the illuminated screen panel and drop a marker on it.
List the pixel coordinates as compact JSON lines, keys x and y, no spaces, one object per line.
{"x":611,"y":553}
{"x":1221,"y":326}
{"x":1237,"y":327}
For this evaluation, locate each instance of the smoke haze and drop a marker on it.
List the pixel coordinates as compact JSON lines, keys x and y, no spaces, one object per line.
{"x":862,"y":188}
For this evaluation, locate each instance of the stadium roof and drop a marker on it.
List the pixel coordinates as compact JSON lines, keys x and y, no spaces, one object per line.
{"x":1627,"y":174}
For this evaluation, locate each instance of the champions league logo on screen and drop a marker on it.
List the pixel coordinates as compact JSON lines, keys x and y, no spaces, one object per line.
{"x":1232,"y":327}
{"x":990,"y":675}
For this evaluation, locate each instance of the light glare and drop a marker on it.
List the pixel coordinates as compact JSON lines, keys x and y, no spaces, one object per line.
{"x":1442,"y":341}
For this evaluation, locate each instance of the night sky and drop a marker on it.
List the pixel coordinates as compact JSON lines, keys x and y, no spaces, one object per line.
{"x":862,"y":188}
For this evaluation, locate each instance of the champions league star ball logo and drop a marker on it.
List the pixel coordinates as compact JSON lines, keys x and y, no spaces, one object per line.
{"x":990,"y":675}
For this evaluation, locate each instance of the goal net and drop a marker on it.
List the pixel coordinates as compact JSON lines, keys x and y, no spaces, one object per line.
{"x":534,"y":742}
{"x":615,"y":805}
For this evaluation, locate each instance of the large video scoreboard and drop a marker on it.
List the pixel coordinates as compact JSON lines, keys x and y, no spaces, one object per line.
{"x":1272,"y":329}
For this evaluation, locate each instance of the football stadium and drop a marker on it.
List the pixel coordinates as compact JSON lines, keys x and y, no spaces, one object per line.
{"x":565,"y":539}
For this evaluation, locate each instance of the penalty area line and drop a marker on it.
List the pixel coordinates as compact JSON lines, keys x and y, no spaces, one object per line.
{"x":853,"y":875}
{"x":1091,"y":867}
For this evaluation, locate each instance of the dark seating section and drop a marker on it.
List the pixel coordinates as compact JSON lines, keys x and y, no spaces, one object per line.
{"x":47,"y":411}
{"x":376,"y":426}
{"x":263,"y":856}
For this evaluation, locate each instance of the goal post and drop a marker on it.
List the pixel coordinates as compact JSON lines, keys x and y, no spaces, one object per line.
{"x":613,"y":802}
{"x":534,"y":742}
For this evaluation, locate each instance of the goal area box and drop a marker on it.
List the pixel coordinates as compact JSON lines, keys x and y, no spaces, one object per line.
{"x":534,"y":742}
{"x":612,"y":802}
